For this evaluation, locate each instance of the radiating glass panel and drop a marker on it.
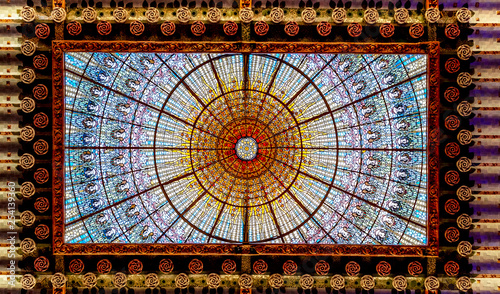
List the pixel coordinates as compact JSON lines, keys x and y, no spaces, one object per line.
{"x":246,"y":148}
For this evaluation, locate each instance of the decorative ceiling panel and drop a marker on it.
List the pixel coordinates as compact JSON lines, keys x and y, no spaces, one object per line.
{"x":246,"y":149}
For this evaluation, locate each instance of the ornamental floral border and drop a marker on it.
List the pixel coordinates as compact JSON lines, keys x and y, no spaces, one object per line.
{"x":61,"y":248}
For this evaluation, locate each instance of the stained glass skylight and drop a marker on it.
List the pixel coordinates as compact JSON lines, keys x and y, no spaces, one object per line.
{"x":244,"y":148}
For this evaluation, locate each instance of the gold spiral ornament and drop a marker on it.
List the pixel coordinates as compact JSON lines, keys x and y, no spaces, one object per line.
{"x":399,"y":283}
{"x":40,"y":61}
{"x":464,"y":193}
{"x":27,"y":105}
{"x":464,"y":79}
{"x":28,"y":76}
{"x":339,"y":15}
{"x":306,"y":282}
{"x":42,"y":31}
{"x":291,"y":28}
{"x":27,"y":245}
{"x":464,"y":52}
{"x":42,"y":232}
{"x":464,"y":164}
{"x":89,"y":15}
{"x":352,"y":268}
{"x":463,"y":284}
{"x":27,"y":133}
{"x":367,"y":282}
{"x":245,"y":281}
{"x":89,"y":280}
{"x":152,"y":280}
{"x":464,"y":108}
{"x":40,"y":120}
{"x":431,"y":283}
{"x":27,"y":189}
{"x":120,"y":15}
{"x":28,"y":48}
{"x":41,"y":175}
{"x":28,"y":14}
{"x":183,"y":14}
{"x":28,"y":218}
{"x":401,"y":15}
{"x":371,"y":16}
{"x":463,"y":15}
{"x":214,"y":15}
{"x":104,"y":266}
{"x":74,"y":28}
{"x":58,"y":280}
{"x":152,"y":15}
{"x":182,"y":281}
{"x":213,"y":281}
{"x":40,"y":92}
{"x":337,"y":282}
{"x":464,"y":221}
{"x":276,"y":281}
{"x":464,"y":137}
{"x":198,"y":28}
{"x":119,"y":280}
{"x":76,"y":266}
{"x":277,"y":15}
{"x":196,"y":266}
{"x":464,"y":248}
{"x":308,"y":15}
{"x":27,"y":161}
{"x":246,"y":15}
{"x":58,"y":14}
{"x":432,"y":15}
{"x":28,"y":282}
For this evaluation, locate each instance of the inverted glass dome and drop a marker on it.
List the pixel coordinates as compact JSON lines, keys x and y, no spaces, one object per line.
{"x":245,"y":148}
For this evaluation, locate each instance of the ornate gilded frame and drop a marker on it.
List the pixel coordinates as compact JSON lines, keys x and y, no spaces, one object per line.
{"x":61,"y":248}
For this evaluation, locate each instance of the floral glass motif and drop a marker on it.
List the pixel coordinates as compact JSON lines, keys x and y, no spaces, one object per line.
{"x":155,"y":148}
{"x":246,"y":148}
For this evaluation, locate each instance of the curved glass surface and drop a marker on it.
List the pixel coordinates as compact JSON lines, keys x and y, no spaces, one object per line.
{"x":245,"y":148}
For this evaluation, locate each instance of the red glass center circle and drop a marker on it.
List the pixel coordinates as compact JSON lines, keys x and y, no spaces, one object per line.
{"x":258,"y":178}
